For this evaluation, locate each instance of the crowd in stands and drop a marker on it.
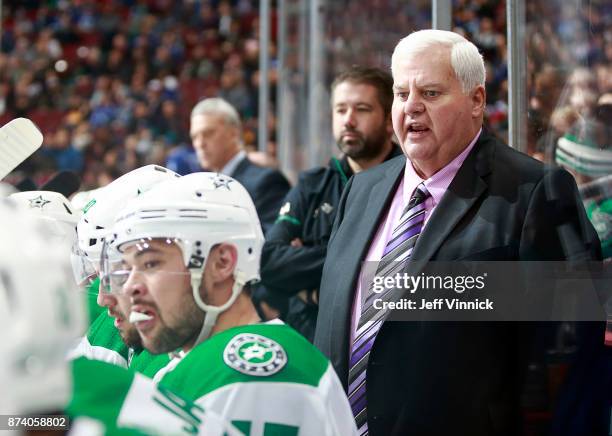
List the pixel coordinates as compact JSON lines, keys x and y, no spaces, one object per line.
{"x":111,"y":84}
{"x":569,"y":71}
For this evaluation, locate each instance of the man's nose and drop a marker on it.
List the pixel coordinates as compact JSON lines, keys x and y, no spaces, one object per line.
{"x":134,"y":286}
{"x":198,"y":143}
{"x":414,"y":104}
{"x":106,"y":299}
{"x":349,"y":118}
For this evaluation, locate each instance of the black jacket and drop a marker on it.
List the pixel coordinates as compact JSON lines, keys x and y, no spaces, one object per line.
{"x":266,"y":186}
{"x":442,"y":378}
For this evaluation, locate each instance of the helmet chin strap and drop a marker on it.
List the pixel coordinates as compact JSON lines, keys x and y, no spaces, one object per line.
{"x":211,"y":313}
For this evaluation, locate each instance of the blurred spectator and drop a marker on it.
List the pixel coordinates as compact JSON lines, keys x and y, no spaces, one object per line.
{"x":122,"y":97}
{"x":114,"y":65}
{"x":61,"y":150}
{"x":586,"y":153}
{"x":183,"y":160}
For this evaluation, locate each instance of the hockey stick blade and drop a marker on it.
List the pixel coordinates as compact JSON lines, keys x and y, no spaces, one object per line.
{"x":19,"y":139}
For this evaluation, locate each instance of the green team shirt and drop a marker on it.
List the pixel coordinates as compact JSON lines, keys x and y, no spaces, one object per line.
{"x":93,"y":309}
{"x":600,"y":215}
{"x":147,"y":363}
{"x":103,"y":342}
{"x":265,"y":379}
{"x":122,"y":402}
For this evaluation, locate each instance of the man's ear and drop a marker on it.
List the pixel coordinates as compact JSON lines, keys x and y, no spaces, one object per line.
{"x":223,"y":259}
{"x":479,"y":100}
{"x":389,"y":125}
{"x":235,"y":134}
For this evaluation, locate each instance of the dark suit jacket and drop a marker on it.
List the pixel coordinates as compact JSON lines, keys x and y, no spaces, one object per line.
{"x":266,"y":186}
{"x":443,"y":378}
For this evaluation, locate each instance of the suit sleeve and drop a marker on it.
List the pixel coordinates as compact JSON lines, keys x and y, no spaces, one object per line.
{"x":269,"y":196}
{"x":324,"y":320}
{"x":288,"y":269}
{"x":556,"y":226}
{"x":341,"y":209}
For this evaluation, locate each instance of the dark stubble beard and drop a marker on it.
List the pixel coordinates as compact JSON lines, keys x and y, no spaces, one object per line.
{"x":172,"y":338}
{"x":131,"y":338}
{"x":364,"y":147}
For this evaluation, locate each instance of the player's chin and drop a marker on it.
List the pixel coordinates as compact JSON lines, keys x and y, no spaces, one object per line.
{"x":131,"y":338}
{"x":145,"y":328}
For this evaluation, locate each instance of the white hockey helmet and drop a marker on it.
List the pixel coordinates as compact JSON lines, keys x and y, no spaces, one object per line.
{"x":62,"y":219}
{"x":52,"y":207}
{"x":42,"y":314}
{"x":99,"y":213}
{"x":6,"y":190}
{"x":81,"y":198}
{"x":197,"y":212}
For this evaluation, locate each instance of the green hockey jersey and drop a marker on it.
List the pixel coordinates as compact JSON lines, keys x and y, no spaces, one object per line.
{"x":93,"y":309}
{"x":266,"y":379}
{"x":146,"y":363}
{"x":122,"y":402}
{"x":262,"y":379}
{"x":103,"y":342}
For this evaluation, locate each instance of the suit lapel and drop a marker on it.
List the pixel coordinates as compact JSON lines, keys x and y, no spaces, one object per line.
{"x":465,"y":189}
{"x":240,"y":168}
{"x":362,"y":223}
{"x":378,"y":204}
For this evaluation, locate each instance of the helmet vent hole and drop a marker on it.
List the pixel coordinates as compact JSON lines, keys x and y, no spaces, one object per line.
{"x":250,"y":250}
{"x":198,"y":194}
{"x":198,"y":243}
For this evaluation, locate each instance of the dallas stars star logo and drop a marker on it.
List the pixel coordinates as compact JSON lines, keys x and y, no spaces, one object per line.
{"x":255,"y":355}
{"x":38,"y":202}
{"x":254,"y":351}
{"x":221,"y":182}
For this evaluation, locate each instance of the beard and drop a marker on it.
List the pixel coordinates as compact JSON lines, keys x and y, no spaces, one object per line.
{"x":171,"y":338}
{"x":131,"y":338}
{"x":362,"y":147}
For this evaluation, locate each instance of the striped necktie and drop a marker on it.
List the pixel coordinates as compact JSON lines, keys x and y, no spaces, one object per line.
{"x":395,"y":256}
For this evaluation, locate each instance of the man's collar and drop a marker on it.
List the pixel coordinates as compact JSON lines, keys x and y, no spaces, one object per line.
{"x":230,"y":167}
{"x":344,"y":168}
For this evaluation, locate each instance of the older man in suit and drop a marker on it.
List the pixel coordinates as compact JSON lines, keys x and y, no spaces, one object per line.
{"x":216,"y":134}
{"x":457,"y":194}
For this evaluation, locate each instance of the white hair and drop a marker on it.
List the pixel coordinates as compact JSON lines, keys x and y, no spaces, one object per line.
{"x":466,"y":61}
{"x":218,"y":106}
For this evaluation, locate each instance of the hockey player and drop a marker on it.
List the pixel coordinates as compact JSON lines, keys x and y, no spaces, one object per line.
{"x":62,"y":218}
{"x":53,"y":208}
{"x":111,"y":338}
{"x":41,"y":315}
{"x":186,"y":253}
